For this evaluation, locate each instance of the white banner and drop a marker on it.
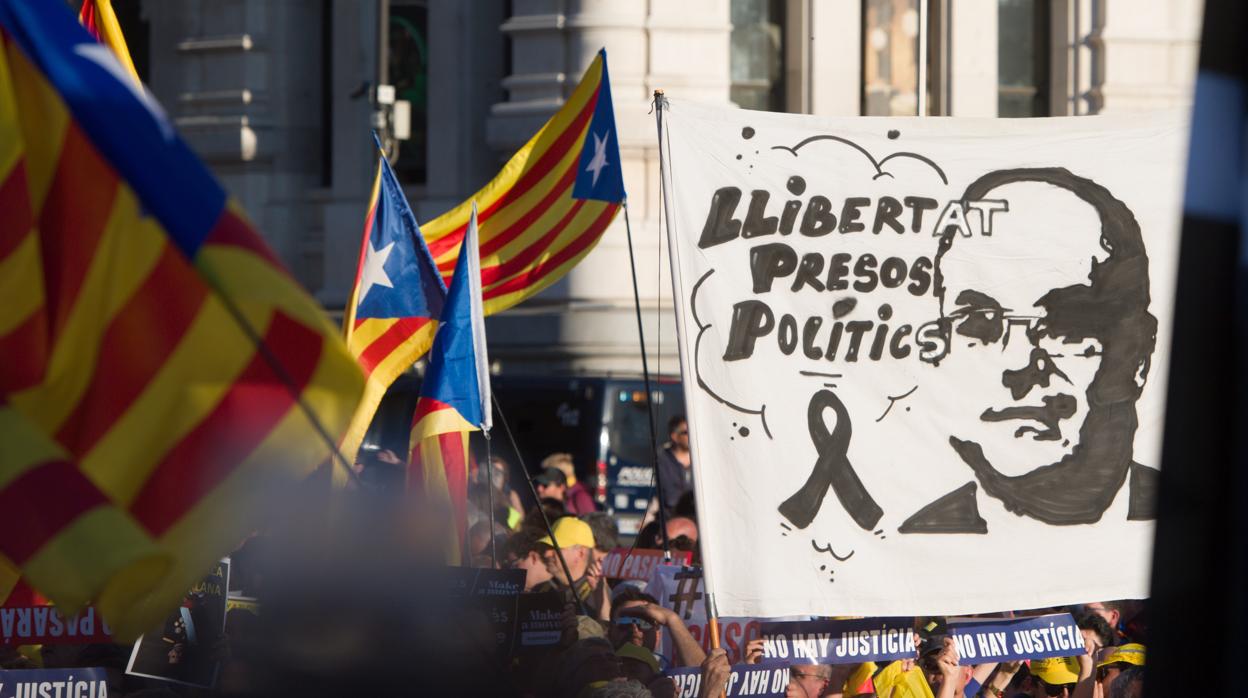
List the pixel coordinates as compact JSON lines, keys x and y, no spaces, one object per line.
{"x":924,"y":359}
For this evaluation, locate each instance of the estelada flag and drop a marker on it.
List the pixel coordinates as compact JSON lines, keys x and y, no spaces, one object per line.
{"x":161,"y":370}
{"x":549,"y":205}
{"x":100,"y":20}
{"x":454,"y":396}
{"x":398,"y":294}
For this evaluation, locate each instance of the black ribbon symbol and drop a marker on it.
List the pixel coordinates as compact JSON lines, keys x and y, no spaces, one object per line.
{"x":832,"y":469}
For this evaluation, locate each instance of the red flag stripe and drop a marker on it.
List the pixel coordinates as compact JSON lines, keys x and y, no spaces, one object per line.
{"x":451,"y":445}
{"x":72,"y":221}
{"x":40,"y":503}
{"x":383,"y":346}
{"x":537,"y":273}
{"x":522,"y":259}
{"x":15,"y":217}
{"x":248,"y":412}
{"x":487,"y":247}
{"x":25,"y":353}
{"x":137,"y":342}
{"x":528,"y":180}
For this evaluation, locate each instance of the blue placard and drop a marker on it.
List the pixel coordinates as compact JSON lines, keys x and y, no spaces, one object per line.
{"x":764,"y":679}
{"x":983,"y":640}
{"x":67,"y":683}
{"x":839,"y":641}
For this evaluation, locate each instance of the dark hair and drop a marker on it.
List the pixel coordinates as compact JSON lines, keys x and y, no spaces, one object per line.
{"x":675,"y":421}
{"x":1121,"y":687}
{"x":629,"y":593}
{"x":520,"y":544}
{"x":606,"y":532}
{"x":648,"y":536}
{"x":1100,"y":626}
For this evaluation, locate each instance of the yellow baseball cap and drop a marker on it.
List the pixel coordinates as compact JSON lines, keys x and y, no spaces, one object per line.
{"x":1130,"y":653}
{"x":1056,"y":670}
{"x":570,"y":531}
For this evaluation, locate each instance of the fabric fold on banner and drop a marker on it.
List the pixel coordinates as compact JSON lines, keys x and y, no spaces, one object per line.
{"x":146,"y":429}
{"x":909,"y":344}
{"x":98,"y":17}
{"x":398,"y":294}
{"x":549,"y":205}
{"x":454,"y":397}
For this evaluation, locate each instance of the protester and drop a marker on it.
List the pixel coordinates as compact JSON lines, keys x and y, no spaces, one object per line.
{"x":1115,"y":661}
{"x":1052,"y":678}
{"x":522,"y":552}
{"x":637,"y":618}
{"x":808,"y":680}
{"x":551,"y":483}
{"x":1129,"y":684}
{"x":500,"y":471}
{"x":606,"y":533}
{"x":575,"y":545}
{"x":577,"y":498}
{"x":675,"y":464}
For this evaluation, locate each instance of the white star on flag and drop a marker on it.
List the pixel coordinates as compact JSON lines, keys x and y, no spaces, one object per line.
{"x":599,"y":160}
{"x":374,"y":271}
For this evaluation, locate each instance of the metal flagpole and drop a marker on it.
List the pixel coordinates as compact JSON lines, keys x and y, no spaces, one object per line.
{"x":645,"y":374}
{"x":678,"y":299}
{"x":489,"y":488}
{"x":533,"y":490}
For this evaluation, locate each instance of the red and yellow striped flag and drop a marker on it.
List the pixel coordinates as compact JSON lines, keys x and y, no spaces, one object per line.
{"x":100,"y":20}
{"x":550,"y":204}
{"x":144,"y":429}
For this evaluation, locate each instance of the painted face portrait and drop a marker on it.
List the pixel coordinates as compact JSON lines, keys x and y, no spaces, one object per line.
{"x":1058,"y":338}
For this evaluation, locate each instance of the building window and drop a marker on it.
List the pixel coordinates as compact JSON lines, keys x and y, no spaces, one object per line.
{"x":890,"y":50}
{"x":1023,"y":58}
{"x":757,"y":54}
{"x":409,"y":73}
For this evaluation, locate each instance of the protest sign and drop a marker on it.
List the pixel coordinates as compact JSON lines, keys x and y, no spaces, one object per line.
{"x":538,"y":620}
{"x":44,"y":625}
{"x":631,"y":563}
{"x":480,"y":581}
{"x":62,"y":683}
{"x":764,"y":680}
{"x":911,"y":346}
{"x":184,"y":650}
{"x":983,"y":640}
{"x":681,"y":589}
{"x":839,"y":641}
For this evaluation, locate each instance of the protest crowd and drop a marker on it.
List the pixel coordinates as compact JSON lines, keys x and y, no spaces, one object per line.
{"x":577,"y":621}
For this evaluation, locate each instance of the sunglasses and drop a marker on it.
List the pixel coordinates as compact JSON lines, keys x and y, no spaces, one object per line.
{"x":632,"y":620}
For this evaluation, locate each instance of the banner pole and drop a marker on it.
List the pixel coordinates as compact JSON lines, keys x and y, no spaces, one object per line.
{"x":645,"y":375}
{"x":489,"y":488}
{"x":660,"y":104}
{"x":550,"y":530}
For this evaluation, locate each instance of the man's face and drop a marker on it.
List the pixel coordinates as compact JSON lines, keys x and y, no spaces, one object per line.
{"x":1111,"y":616}
{"x":534,"y":567}
{"x":1006,"y":338}
{"x":627,"y":629}
{"x":553,"y":490}
{"x":804,"y":683}
{"x":577,"y":557}
{"x":680,"y":435}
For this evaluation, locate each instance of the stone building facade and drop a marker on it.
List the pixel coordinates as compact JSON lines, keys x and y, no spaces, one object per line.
{"x":275,"y":95}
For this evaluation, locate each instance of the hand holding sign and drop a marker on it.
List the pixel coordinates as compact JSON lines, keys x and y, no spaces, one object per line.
{"x":715,"y":673}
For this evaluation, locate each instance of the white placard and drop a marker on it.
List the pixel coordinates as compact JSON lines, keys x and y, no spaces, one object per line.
{"x":924,"y":359}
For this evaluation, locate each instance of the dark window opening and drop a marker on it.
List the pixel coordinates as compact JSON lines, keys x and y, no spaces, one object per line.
{"x":757,"y":54}
{"x":1023,"y":58}
{"x":409,"y":73}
